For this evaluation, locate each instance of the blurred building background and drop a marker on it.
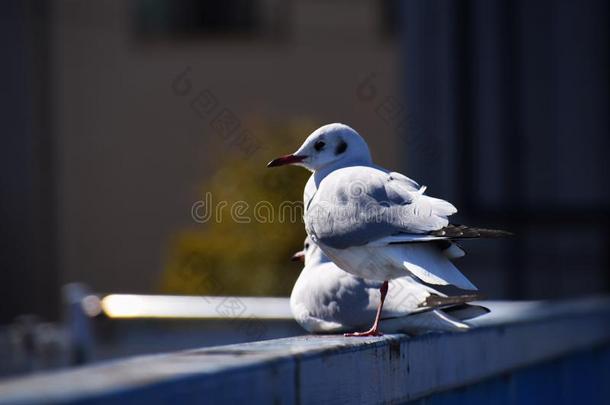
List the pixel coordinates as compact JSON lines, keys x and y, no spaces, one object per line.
{"x":508,"y":112}
{"x":105,"y":159}
{"x":499,"y":106}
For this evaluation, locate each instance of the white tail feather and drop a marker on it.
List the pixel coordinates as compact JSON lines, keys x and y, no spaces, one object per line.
{"x":425,"y":262}
{"x":442,"y":207}
{"x":423,"y":322}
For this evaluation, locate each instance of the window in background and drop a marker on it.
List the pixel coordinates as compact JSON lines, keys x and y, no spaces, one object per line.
{"x":179,"y":19}
{"x":389,"y":15}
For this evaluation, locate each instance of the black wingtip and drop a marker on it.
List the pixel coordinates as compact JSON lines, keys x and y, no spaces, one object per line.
{"x":439,"y":301}
{"x":455,"y":231}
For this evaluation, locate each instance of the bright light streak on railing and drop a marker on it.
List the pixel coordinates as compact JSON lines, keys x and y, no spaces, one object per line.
{"x":173,"y":306}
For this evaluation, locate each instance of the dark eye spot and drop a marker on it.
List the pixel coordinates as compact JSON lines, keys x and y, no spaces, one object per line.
{"x":342,"y":147}
{"x":318,"y":146}
{"x":306,"y":246}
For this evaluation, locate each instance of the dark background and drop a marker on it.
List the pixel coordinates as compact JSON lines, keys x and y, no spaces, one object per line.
{"x":499,"y":106}
{"x":515,"y":94}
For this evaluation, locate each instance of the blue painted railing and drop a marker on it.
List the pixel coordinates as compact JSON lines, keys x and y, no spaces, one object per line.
{"x":533,"y":352}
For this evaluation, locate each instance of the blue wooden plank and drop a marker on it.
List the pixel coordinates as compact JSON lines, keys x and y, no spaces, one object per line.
{"x":579,"y":378}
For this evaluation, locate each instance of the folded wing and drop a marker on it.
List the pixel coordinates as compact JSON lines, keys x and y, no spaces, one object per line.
{"x":358,"y":205}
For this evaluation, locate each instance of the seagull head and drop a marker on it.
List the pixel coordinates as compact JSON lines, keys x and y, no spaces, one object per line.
{"x":310,"y":255}
{"x":333,"y":145}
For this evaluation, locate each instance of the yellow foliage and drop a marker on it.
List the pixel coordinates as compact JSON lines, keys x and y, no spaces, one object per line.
{"x":230,"y":258}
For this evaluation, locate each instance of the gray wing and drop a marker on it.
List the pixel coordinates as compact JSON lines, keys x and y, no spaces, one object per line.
{"x":409,"y":183}
{"x":356,"y":205}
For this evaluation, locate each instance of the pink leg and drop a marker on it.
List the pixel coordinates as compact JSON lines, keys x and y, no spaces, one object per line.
{"x":374,"y":331}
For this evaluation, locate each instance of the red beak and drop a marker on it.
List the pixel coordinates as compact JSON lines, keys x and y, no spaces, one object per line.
{"x":298,"y":257}
{"x":286,"y":160}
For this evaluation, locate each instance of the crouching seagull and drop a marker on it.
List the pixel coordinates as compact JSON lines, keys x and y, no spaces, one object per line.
{"x":326,"y":299}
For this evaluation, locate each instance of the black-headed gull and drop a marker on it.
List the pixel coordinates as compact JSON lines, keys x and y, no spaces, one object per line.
{"x":373,"y":223}
{"x":326,"y":299}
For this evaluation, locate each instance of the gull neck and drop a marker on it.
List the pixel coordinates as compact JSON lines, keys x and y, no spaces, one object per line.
{"x":322,"y":172}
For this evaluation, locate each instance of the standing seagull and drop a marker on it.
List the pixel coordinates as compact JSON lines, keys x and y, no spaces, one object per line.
{"x":326,"y":299}
{"x":371,"y":222}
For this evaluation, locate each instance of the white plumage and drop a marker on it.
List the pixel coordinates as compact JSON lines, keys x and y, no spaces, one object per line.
{"x":325,"y":299}
{"x":373,"y":223}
